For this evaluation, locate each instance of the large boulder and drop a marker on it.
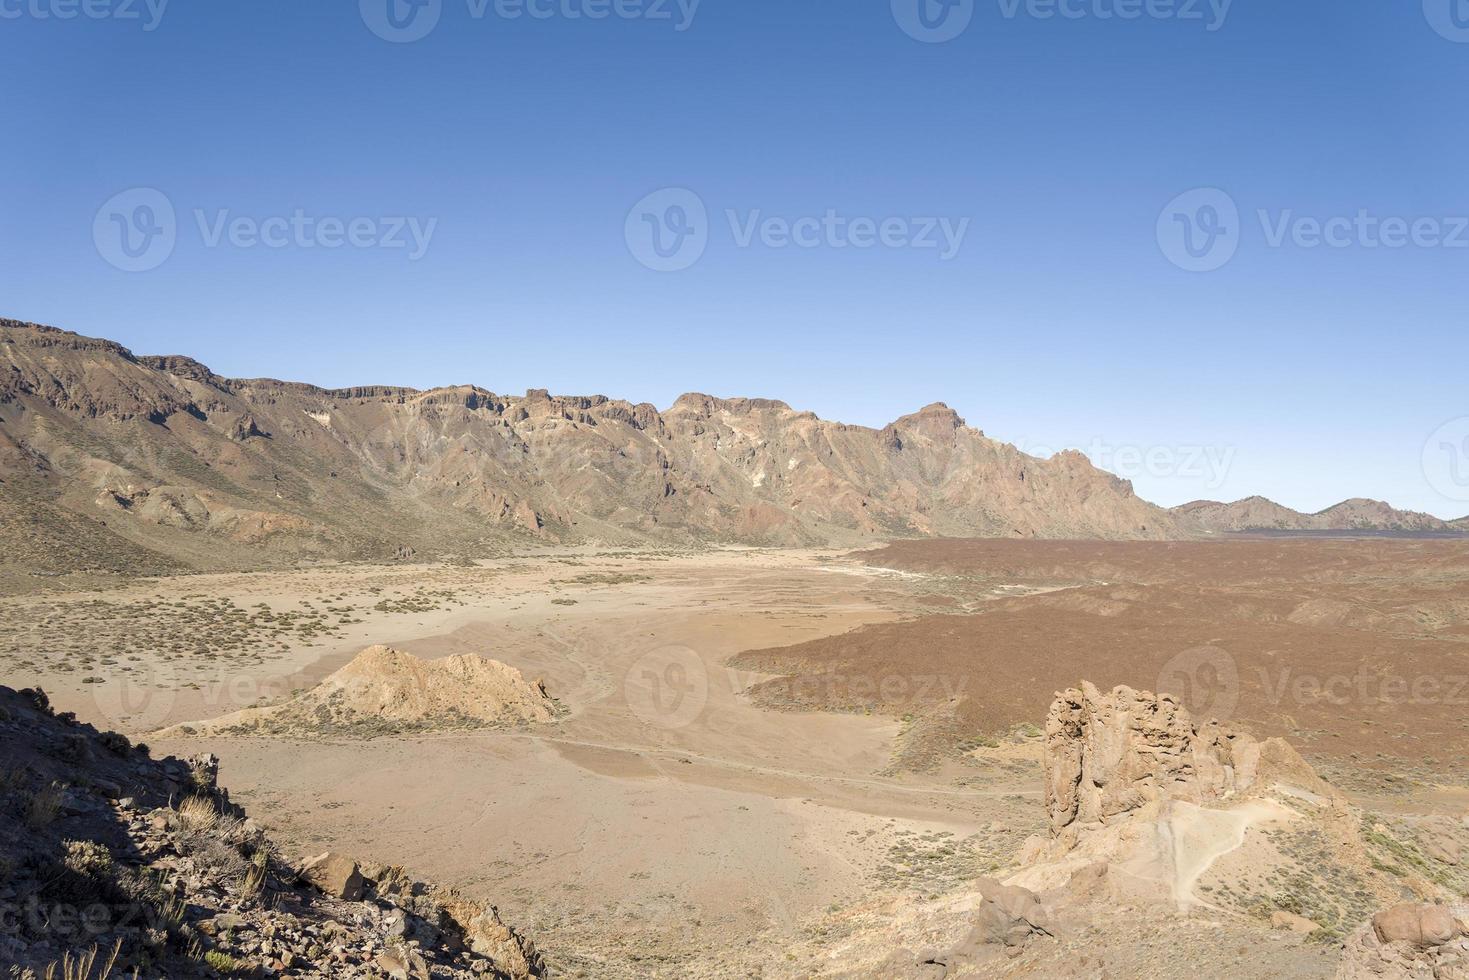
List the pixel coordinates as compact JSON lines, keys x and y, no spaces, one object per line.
{"x":1409,"y":941}
{"x":1421,"y":925}
{"x":1010,"y":915}
{"x":334,"y":875}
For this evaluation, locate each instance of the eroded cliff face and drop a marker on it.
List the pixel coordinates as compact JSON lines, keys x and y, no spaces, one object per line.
{"x":1109,"y":754}
{"x":160,"y":453}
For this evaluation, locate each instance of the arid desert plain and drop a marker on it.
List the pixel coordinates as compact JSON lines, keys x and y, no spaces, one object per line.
{"x":798,"y":763}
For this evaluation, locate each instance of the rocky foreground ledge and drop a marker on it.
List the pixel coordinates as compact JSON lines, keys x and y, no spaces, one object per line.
{"x":115,"y":864}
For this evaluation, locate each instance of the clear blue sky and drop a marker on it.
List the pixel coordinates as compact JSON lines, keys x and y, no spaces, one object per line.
{"x":1320,"y":372}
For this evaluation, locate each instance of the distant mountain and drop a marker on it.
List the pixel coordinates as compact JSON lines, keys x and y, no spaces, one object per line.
{"x":1357,"y":514}
{"x":113,"y":460}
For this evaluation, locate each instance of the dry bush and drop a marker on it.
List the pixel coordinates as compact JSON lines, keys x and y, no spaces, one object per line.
{"x":82,"y":967}
{"x":45,"y":806}
{"x":87,"y":858}
{"x":197,"y":815}
{"x":11,"y":779}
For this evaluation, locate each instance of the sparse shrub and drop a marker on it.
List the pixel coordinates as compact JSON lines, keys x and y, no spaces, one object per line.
{"x":45,"y":807}
{"x":87,"y":858}
{"x":197,"y":815}
{"x":83,"y":966}
{"x":203,"y":774}
{"x":257,"y":873}
{"x":221,"y":962}
{"x":115,"y":743}
{"x":220,"y":857}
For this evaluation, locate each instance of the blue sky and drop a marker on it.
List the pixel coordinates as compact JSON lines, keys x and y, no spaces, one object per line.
{"x":530,"y":151}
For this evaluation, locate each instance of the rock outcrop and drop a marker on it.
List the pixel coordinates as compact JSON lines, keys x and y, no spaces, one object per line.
{"x":1109,"y":754}
{"x":1135,"y":784}
{"x":385,"y":691}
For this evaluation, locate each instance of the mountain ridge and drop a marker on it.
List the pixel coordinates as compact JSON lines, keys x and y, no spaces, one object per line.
{"x":118,"y":461}
{"x":138,"y":455}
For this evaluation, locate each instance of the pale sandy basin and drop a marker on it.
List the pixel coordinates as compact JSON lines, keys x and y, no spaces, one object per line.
{"x":664,"y":827}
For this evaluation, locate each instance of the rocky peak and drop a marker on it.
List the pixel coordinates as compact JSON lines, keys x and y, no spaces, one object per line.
{"x":178,"y":364}
{"x":932,"y":420}
{"x":707,"y":406}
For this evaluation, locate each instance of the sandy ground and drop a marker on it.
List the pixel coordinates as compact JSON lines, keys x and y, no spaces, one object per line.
{"x":667,"y":826}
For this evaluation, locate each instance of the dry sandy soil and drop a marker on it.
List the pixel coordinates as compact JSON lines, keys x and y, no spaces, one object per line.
{"x":758,"y":744}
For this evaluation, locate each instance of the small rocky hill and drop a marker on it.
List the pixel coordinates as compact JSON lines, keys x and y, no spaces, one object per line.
{"x":118,"y":461}
{"x":116,"y":864}
{"x":385,"y":691}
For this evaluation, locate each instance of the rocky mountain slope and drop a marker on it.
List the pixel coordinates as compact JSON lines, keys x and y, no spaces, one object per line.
{"x":1357,"y":514}
{"x":114,"y":864}
{"x":118,"y":461}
